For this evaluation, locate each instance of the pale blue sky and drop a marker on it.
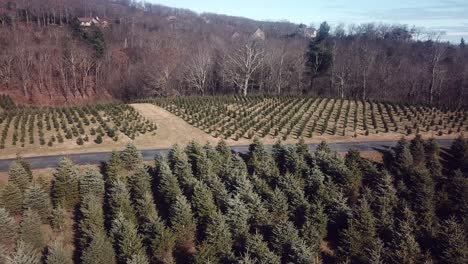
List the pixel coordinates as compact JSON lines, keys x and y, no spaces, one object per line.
{"x":450,"y":16}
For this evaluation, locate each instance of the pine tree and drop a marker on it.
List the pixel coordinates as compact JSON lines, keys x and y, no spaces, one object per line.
{"x":458,"y":196}
{"x":91,"y":183}
{"x":403,"y":157}
{"x":18,"y":175}
{"x":30,"y":230}
{"x":453,"y":243}
{"x":183,"y":224}
{"x":35,"y":198}
{"x":127,"y":241}
{"x":24,"y":254}
{"x":131,"y":157}
{"x":459,"y":151}
{"x":57,"y":254}
{"x":385,"y":203}
{"x":278,"y":206}
{"x":99,"y":251}
{"x":58,"y":218}
{"x":12,"y":198}
{"x":261,"y":163}
{"x":64,"y":189}
{"x":217,"y":245}
{"x":8,"y":227}
{"x":315,"y":227}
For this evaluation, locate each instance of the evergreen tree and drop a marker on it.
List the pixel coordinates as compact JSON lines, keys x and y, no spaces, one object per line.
{"x":26,"y":166}
{"x":403,"y":157}
{"x":30,"y":230}
{"x":261,"y":163}
{"x":218,"y":243}
{"x":458,"y":196}
{"x":406,"y":248}
{"x":57,"y":254}
{"x":120,"y":203}
{"x":91,"y":219}
{"x":319,"y":56}
{"x":12,"y":198}
{"x":8,"y":227}
{"x":65,"y":185}
{"x":35,"y":198}
{"x":18,"y":175}
{"x":204,"y":207}
{"x":99,"y":251}
{"x":259,"y":251}
{"x":385,"y":203}
{"x":91,"y":183}
{"x":180,"y":166}
{"x":278,"y":206}
{"x":418,"y":151}
{"x":462,"y":43}
{"x":183,"y":224}
{"x":237,"y":217}
{"x":156,"y":236}
{"x":453,"y":243}
{"x":58,"y":216}
{"x":459,"y":151}
{"x":127,"y":242}
{"x":24,"y":254}
{"x":315,"y":228}
{"x":131,"y":157}
{"x":139,"y":183}
{"x":224,"y":151}
{"x":288,"y":244}
{"x":113,"y":168}
{"x":360,"y":235}
{"x":168,"y":187}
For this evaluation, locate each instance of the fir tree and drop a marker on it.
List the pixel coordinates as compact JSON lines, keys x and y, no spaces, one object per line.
{"x":30,"y":230}
{"x":359,"y":236}
{"x":178,"y":162}
{"x":127,"y":241}
{"x":204,"y":207}
{"x":453,"y":243}
{"x":12,"y":198}
{"x":57,"y":254}
{"x":35,"y":198}
{"x":260,"y":162}
{"x":99,"y":251}
{"x":113,"y":168}
{"x":139,"y":183}
{"x":57,"y":220}
{"x":385,"y":203}
{"x":418,"y":151}
{"x":403,"y":157}
{"x":120,"y":203}
{"x":183,"y":224}
{"x":8,"y":227}
{"x":24,"y":254}
{"x":168,"y":187}
{"x":288,"y":244}
{"x":237,"y":217}
{"x":26,"y":166}
{"x":18,"y":175}
{"x":259,"y":251}
{"x":131,"y":157}
{"x":65,"y":185}
{"x":459,"y":151}
{"x":91,"y":219}
{"x":406,"y":248}
{"x":91,"y":183}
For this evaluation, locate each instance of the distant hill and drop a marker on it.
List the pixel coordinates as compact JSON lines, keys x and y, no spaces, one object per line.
{"x":50,"y":56}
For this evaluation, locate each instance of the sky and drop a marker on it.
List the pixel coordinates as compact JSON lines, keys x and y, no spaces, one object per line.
{"x":450,"y":16}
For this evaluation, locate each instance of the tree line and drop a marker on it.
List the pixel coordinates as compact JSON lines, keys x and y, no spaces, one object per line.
{"x":205,"y":204}
{"x":152,"y":50}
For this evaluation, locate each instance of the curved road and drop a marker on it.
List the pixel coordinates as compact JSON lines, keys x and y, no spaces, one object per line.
{"x":97,"y":158}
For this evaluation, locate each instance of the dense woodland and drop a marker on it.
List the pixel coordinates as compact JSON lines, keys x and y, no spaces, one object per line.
{"x":152,"y":50}
{"x":204,"y":204}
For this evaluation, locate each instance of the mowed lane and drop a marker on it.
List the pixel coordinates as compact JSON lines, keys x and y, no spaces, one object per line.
{"x":148,"y":155}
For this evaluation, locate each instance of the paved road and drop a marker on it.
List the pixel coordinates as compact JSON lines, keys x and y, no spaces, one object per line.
{"x":97,"y":158}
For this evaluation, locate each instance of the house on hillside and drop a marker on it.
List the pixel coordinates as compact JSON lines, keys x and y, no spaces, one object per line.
{"x":90,"y":21}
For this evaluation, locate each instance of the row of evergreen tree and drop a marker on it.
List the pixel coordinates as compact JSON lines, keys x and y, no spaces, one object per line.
{"x":205,"y":204}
